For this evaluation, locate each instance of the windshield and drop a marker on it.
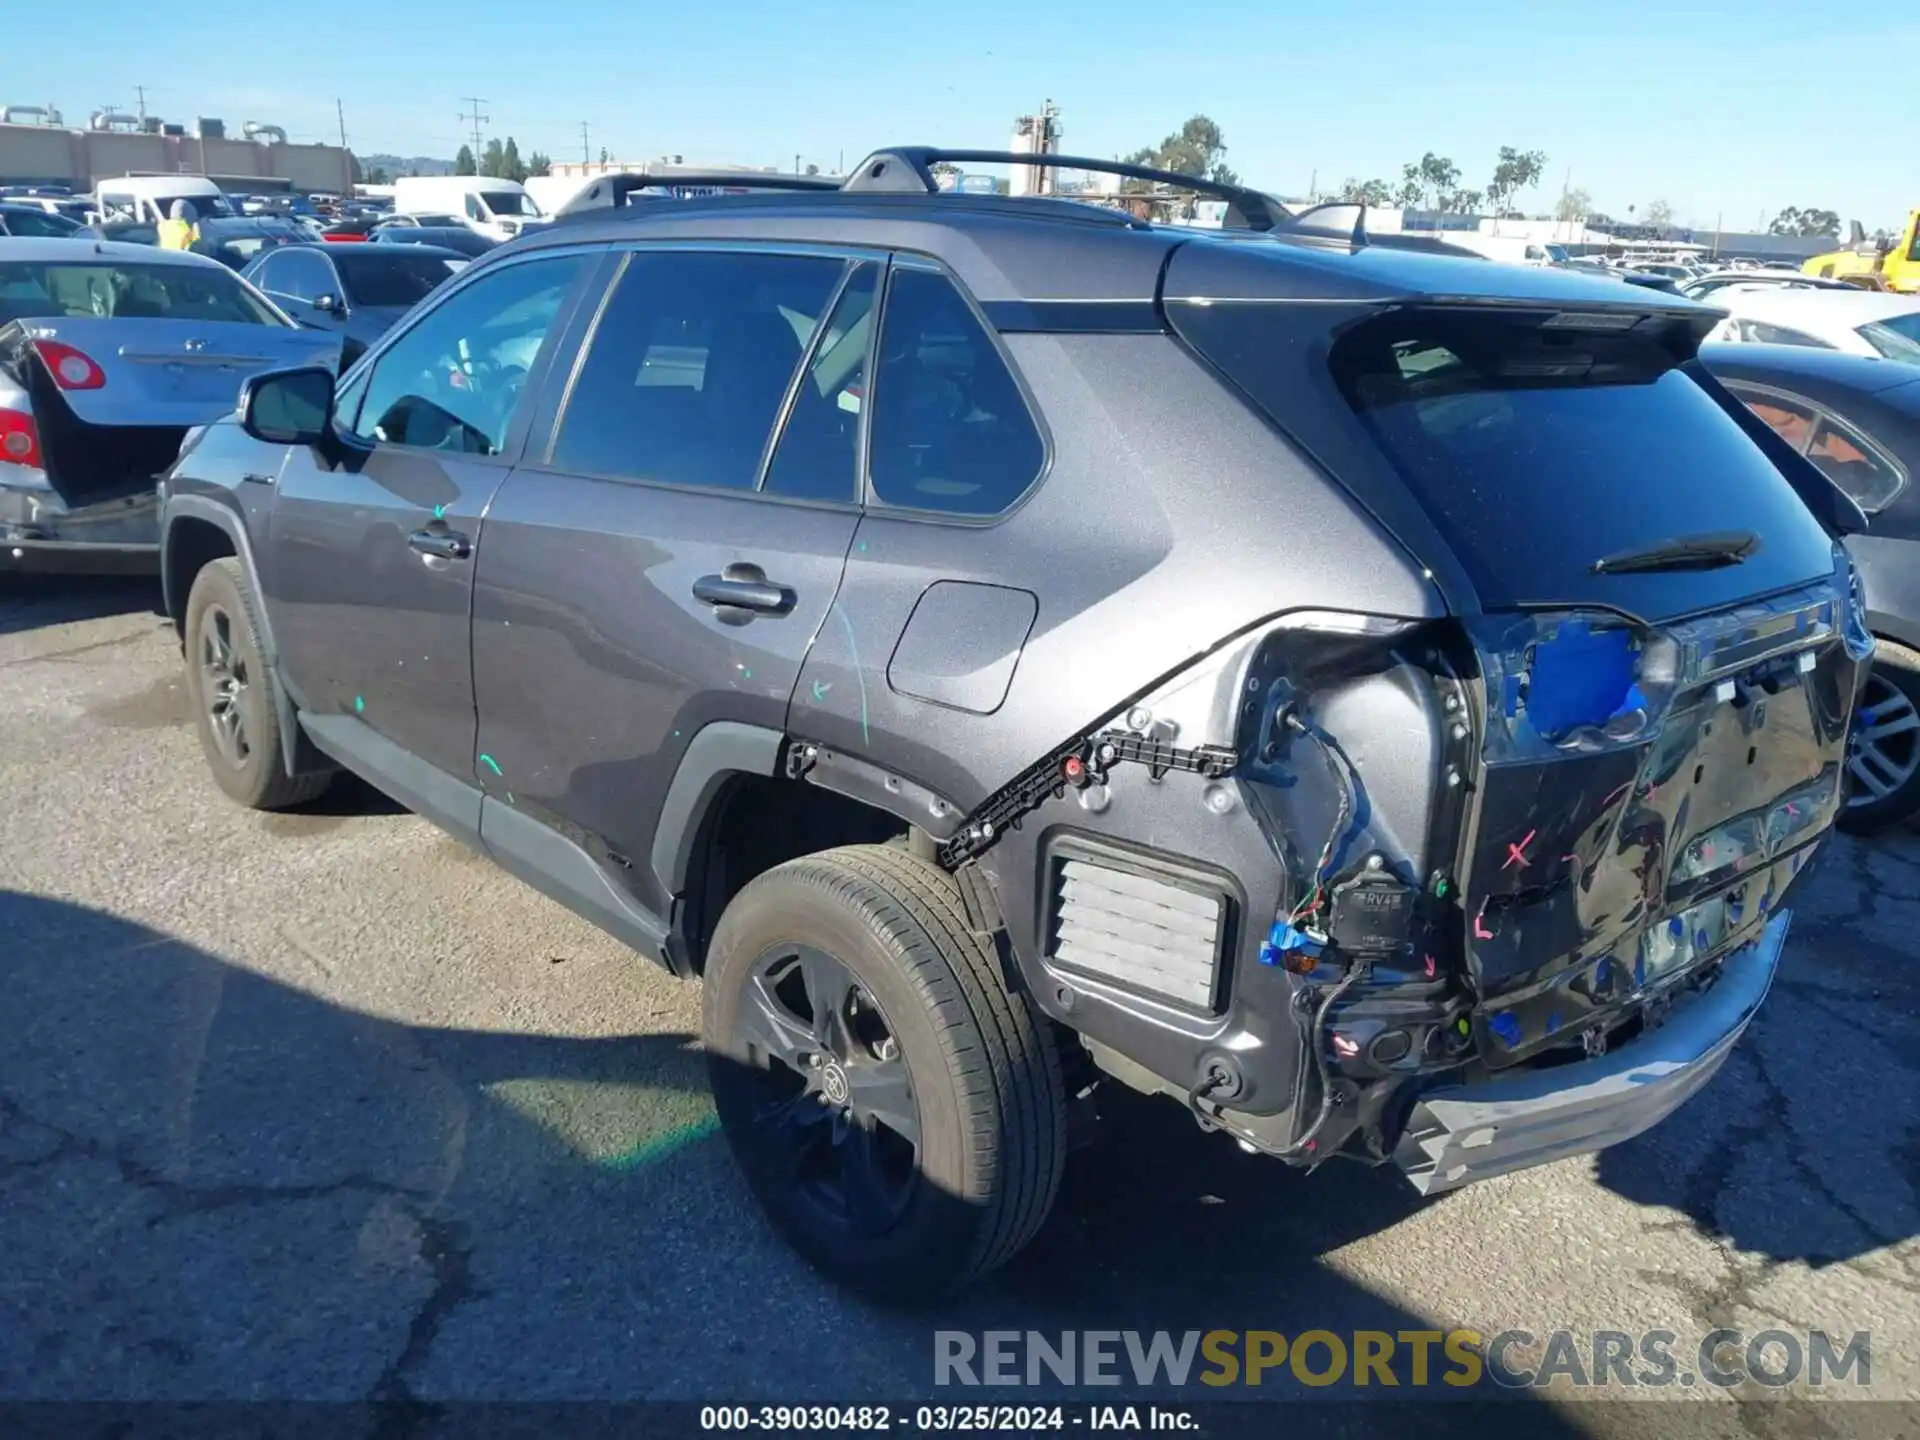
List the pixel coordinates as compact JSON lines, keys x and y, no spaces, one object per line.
{"x":1897,"y":338}
{"x":1557,"y":254}
{"x":510,"y":202}
{"x":45,"y":290}
{"x":391,"y":277}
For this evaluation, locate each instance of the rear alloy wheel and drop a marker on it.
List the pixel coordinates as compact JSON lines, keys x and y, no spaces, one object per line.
{"x":836,"y":1103}
{"x":895,"y":1107}
{"x":1883,"y":748}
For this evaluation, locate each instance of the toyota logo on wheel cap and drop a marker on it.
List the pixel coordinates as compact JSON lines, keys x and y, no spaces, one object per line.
{"x":833,"y":1083}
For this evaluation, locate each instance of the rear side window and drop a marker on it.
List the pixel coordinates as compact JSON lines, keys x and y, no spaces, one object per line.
{"x":689,"y":364}
{"x":1839,"y":451}
{"x":951,"y":430}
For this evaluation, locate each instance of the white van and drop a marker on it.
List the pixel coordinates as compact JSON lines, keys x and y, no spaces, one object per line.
{"x":552,"y":192}
{"x":497,"y":208}
{"x":148,"y":198}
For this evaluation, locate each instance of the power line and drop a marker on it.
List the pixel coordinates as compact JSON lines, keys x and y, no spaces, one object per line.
{"x":477,"y":120}
{"x":586,"y":155}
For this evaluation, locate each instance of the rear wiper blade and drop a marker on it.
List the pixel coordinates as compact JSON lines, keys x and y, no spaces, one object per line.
{"x":1707,"y":551}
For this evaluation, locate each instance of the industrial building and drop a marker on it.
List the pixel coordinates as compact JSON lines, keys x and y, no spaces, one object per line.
{"x":45,"y":151}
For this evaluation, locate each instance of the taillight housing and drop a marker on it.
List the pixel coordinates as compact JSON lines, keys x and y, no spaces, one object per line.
{"x":71,"y":369}
{"x":19,"y":440}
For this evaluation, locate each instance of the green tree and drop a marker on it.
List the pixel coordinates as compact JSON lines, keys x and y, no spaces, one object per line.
{"x":1412,"y":189}
{"x":1461,"y":202}
{"x":1516,"y":170}
{"x":538,"y":164}
{"x":1196,"y":148}
{"x":1658,"y":214}
{"x":1576,"y":204}
{"x":493,"y":160}
{"x":463,"y":162}
{"x":377,"y":176}
{"x":1811,"y":223}
{"x":1439,"y":177}
{"x":511,"y":167}
{"x":1356,"y":191}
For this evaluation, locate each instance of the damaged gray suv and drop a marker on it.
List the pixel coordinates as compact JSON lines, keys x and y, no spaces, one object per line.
{"x":1379,"y":699}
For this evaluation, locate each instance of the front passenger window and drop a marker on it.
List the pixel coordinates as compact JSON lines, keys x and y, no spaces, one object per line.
{"x":454,"y":379}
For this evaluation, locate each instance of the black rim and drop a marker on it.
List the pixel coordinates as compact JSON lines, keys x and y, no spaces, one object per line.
{"x":834,"y":1103}
{"x":223,"y":686}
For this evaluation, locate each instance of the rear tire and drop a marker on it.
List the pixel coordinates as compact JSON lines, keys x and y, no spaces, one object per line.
{"x":1883,"y":748}
{"x":234,"y":693}
{"x":923,"y":995}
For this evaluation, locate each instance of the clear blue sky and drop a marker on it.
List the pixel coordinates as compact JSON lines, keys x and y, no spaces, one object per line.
{"x":1720,"y":108}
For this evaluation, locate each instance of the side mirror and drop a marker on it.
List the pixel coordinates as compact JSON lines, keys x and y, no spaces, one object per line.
{"x":289,"y":407}
{"x":328,"y":304}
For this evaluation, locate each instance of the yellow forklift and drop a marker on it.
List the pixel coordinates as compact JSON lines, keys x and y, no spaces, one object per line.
{"x":1894,"y":266}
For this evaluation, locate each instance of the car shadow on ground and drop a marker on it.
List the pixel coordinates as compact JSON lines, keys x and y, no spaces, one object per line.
{"x":1806,"y":1147}
{"x":214,"y":1185}
{"x":35,"y":602}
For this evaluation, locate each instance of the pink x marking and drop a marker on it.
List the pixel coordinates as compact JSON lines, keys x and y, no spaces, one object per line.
{"x":1517,"y":854}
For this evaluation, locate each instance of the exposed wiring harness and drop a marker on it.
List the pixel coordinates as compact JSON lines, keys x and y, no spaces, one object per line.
{"x":1317,"y":1038}
{"x":1347,"y":778}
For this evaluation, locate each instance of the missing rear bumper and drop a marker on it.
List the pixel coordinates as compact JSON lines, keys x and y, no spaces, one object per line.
{"x":1461,"y":1133}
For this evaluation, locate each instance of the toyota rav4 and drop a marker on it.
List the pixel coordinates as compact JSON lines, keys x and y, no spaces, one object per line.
{"x":1379,"y":699}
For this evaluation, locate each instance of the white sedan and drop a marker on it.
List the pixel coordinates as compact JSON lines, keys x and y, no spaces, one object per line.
{"x":1859,"y":322}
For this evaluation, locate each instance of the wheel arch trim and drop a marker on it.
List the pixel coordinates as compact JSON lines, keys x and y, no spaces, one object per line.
{"x":296,"y":751}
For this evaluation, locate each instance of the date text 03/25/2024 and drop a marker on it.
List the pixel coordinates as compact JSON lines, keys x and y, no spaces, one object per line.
{"x":934,"y":1419}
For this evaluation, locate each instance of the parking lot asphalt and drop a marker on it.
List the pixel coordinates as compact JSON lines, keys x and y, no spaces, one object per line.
{"x":322,"y":1106}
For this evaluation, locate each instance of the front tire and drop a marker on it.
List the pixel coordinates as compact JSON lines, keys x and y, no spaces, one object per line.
{"x":1883,"y":748}
{"x":895,"y":1107}
{"x":233,"y":695}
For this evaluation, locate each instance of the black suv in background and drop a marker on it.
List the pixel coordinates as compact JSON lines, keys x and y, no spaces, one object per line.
{"x":1379,"y":699}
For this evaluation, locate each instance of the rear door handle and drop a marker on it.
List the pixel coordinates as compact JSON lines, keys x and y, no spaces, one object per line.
{"x":744,"y":587}
{"x":443,"y":544}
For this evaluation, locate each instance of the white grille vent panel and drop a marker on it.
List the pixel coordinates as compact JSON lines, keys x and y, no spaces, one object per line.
{"x":1139,"y":931}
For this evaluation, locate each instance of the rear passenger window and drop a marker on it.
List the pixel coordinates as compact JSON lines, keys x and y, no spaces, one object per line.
{"x":951,"y":432}
{"x":684,"y":377}
{"x":818,"y":454}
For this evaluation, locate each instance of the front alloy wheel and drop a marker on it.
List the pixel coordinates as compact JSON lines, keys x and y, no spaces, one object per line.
{"x":223,"y":686}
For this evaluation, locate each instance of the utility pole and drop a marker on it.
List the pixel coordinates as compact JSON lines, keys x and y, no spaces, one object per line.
{"x":340,"y":112}
{"x":796,"y":164}
{"x":1566,"y":187}
{"x":586,"y":155}
{"x":477,"y":119}
{"x":140,"y":91}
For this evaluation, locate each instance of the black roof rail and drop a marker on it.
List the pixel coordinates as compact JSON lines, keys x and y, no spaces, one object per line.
{"x":909,"y":169}
{"x":611,"y":191}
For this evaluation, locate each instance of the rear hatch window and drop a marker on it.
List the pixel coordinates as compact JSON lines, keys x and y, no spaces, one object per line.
{"x":1536,"y":449}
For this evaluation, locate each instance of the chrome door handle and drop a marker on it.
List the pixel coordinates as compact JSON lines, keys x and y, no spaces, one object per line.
{"x":442,"y":544}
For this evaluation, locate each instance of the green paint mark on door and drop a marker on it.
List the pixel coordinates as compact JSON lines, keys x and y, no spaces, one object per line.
{"x":490,"y":763}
